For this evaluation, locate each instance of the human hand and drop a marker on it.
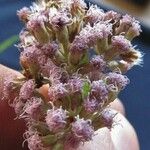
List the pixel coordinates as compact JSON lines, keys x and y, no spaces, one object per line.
{"x":121,"y":137}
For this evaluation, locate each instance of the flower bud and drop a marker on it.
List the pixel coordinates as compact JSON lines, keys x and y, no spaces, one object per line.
{"x":34,"y":141}
{"x":24,"y":13}
{"x":27,"y":90}
{"x":87,"y":37}
{"x":83,"y":129}
{"x":50,"y":49}
{"x":107,"y":117}
{"x":59,"y":19}
{"x":133,"y":57}
{"x":118,"y":80}
{"x":56,"y":92}
{"x":133,"y":31}
{"x":99,"y":90}
{"x":36,"y":26}
{"x":56,"y":119}
{"x":98,"y":63}
{"x":111,"y":15}
{"x":91,"y":105}
{"x":32,"y":109}
{"x":94,"y":14}
{"x":125,"y":24}
{"x":120,"y":43}
{"x":51,"y":71}
{"x":32,"y":57}
{"x":129,"y":26}
{"x":74,"y":85}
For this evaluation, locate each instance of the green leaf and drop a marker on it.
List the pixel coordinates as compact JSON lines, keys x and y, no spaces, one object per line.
{"x":86,"y":89}
{"x":7,"y":43}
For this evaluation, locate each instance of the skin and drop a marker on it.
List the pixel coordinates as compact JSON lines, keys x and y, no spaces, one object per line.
{"x":121,"y":137}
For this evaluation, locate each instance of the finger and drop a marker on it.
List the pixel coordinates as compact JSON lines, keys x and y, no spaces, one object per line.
{"x":101,"y":141}
{"x":121,"y":137}
{"x":4,"y":73}
{"x":118,"y":106}
{"x":11,"y":130}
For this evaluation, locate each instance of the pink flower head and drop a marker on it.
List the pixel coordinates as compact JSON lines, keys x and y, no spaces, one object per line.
{"x":27,"y":56}
{"x":57,"y":91}
{"x":135,"y":29}
{"x":33,"y":55}
{"x":78,"y":4}
{"x":35,"y":23}
{"x":32,"y":108}
{"x":89,"y":35}
{"x":107,"y":117}
{"x":50,"y":49}
{"x":83,"y":40}
{"x":99,"y":90}
{"x":24,"y":13}
{"x":94,"y":14}
{"x":74,"y":85}
{"x":102,"y":30}
{"x":56,"y":119}
{"x":120,"y":43}
{"x":82,"y":129}
{"x":34,"y":141}
{"x":118,"y":80}
{"x":77,"y":46}
{"x":136,"y":58}
{"x":111,"y":15}
{"x":27,"y":90}
{"x":51,"y":71}
{"x":127,"y":22}
{"x":91,"y":105}
{"x":98,"y":63}
{"x":60,"y":19}
{"x":127,"y":19}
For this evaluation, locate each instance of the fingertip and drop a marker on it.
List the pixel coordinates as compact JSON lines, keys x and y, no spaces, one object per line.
{"x":123,"y":134}
{"x":101,"y":141}
{"x":118,"y":106}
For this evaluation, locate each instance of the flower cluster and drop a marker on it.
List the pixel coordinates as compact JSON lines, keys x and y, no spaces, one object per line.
{"x":79,"y":55}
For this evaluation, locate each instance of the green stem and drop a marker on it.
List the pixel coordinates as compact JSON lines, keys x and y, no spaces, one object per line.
{"x":7,"y":43}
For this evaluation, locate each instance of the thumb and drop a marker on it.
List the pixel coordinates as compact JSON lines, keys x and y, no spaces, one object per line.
{"x":121,"y":137}
{"x":11,"y":130}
